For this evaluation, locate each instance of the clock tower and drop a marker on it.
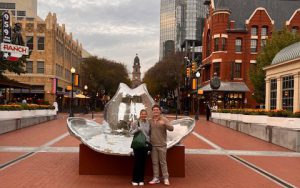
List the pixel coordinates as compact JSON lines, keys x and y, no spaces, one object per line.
{"x":136,"y":73}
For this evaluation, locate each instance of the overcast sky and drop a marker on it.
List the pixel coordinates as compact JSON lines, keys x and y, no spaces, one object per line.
{"x":114,"y":29}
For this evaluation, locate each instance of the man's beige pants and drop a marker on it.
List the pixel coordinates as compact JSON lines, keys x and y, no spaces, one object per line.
{"x":159,"y":156}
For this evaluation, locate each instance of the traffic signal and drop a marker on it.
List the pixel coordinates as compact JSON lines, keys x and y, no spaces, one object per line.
{"x":194,"y":66}
{"x":188,"y":72}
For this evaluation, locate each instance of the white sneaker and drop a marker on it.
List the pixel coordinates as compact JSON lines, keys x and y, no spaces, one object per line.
{"x":154,"y":181}
{"x":166,"y":182}
{"x":141,"y":183}
{"x":134,"y":183}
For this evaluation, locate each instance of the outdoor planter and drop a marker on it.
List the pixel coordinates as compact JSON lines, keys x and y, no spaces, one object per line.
{"x":284,"y":122}
{"x":236,"y":117}
{"x":10,"y":114}
{"x":41,"y":112}
{"x":215,"y":115}
{"x":51,"y":112}
{"x":258,"y":119}
{"x":27,"y":113}
{"x":225,"y":116}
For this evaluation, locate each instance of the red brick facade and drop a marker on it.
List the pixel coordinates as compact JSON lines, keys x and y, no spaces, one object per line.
{"x":219,"y":52}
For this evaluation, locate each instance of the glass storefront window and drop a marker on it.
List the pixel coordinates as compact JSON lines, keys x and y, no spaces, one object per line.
{"x":288,"y":93}
{"x":273,"y":96}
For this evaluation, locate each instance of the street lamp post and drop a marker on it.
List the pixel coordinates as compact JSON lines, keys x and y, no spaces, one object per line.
{"x":86,"y":106}
{"x":94,"y":105}
{"x":197,"y":94}
{"x":71,"y":101}
{"x":187,"y":66}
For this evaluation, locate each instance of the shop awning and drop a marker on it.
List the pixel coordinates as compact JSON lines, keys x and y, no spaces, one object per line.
{"x":228,"y":86}
{"x":8,"y":83}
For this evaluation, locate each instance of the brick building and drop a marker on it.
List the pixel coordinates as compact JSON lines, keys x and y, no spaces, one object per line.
{"x":235,"y":31}
{"x":54,"y":52}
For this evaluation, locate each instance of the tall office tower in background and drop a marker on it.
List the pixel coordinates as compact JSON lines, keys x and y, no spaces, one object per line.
{"x":181,"y":26}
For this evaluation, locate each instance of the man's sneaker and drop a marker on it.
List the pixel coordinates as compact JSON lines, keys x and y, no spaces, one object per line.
{"x":154,"y":181}
{"x":166,"y":182}
{"x":141,"y":183}
{"x":134,"y":183}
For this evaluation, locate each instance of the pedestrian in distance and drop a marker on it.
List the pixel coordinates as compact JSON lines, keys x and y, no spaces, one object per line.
{"x":158,"y":136}
{"x":140,"y":155}
{"x":207,"y":110}
{"x":55,"y":104}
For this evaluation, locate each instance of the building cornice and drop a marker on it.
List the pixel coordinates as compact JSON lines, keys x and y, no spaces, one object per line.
{"x":280,"y":64}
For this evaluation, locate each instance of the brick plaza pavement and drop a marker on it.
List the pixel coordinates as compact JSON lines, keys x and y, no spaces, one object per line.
{"x":45,"y":155}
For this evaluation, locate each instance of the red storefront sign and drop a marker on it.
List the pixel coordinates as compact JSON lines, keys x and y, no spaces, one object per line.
{"x":22,"y":50}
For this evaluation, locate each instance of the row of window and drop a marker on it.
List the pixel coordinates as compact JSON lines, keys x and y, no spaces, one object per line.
{"x":263,"y":31}
{"x":238,"y":44}
{"x":40,"y":43}
{"x":236,"y":69}
{"x":287,"y":93}
{"x":60,"y":71}
{"x":40,"y":67}
{"x":7,"y":5}
{"x":223,"y":44}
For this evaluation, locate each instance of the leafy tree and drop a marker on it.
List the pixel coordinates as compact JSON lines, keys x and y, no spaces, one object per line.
{"x":278,"y":41}
{"x":103,"y":74}
{"x":15,"y":67}
{"x":165,"y":76}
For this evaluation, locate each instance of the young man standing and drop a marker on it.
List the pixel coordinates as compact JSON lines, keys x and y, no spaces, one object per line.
{"x":158,"y":137}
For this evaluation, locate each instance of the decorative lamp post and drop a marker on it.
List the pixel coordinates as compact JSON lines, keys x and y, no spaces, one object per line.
{"x":215,"y":84}
{"x":86,"y":106}
{"x":72,"y":89}
{"x":186,"y":83}
{"x":197,"y":77}
{"x":97,"y":94}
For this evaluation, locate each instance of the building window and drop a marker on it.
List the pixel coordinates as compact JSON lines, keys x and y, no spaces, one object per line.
{"x":29,"y":67}
{"x":253,"y":45}
{"x":29,"y":42}
{"x":216,"y":44}
{"x":263,"y":42}
{"x":21,"y":13}
{"x":238,"y":45}
{"x":41,"y":43}
{"x":223,"y":44}
{"x":40,"y":67}
{"x":273,"y":95}
{"x":295,"y":29}
{"x":237,"y":70}
{"x":264,"y":31}
{"x":253,"y":66}
{"x":254,"y":30}
{"x":217,"y":68}
{"x":208,"y":44}
{"x":288,"y":93}
{"x":7,"y":5}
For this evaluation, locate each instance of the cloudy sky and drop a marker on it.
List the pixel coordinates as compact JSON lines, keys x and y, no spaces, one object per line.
{"x":114,"y":29}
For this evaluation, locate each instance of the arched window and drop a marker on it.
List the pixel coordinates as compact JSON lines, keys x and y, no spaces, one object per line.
{"x":264,"y":30}
{"x":254,"y":30}
{"x":295,"y":29}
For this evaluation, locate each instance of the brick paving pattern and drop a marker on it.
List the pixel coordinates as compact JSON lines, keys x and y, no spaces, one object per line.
{"x":204,"y":169}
